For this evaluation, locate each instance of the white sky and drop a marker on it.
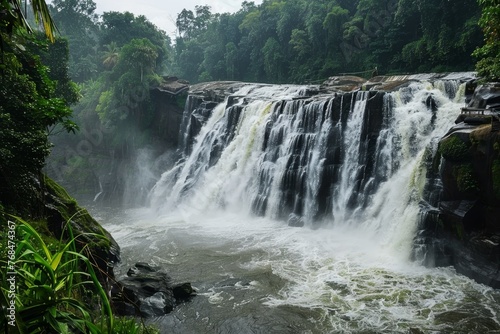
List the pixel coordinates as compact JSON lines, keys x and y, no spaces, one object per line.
{"x":164,"y":13}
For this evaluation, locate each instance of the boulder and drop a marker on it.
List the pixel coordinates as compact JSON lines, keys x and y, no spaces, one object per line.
{"x":147,"y":291}
{"x":486,"y":97}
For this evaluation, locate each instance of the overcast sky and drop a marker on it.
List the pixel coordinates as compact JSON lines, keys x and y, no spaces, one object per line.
{"x":164,"y":13}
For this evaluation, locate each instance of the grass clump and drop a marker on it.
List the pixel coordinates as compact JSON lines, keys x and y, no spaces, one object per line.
{"x":50,"y":285}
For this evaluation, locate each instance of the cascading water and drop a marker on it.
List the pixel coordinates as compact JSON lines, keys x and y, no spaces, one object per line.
{"x":352,"y":166}
{"x":347,"y":159}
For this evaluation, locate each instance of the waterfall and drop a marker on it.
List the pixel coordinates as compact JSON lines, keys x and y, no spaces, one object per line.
{"x":353,"y":159}
{"x":100,"y":191}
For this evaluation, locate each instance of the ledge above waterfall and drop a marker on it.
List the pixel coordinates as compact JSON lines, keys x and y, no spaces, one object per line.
{"x":389,"y":82}
{"x":217,"y":91}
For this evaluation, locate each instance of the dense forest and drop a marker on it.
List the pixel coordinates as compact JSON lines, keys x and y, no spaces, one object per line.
{"x":295,"y":41}
{"x":301,"y":41}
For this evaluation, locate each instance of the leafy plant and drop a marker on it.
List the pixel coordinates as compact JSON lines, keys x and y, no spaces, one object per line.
{"x":124,"y":325}
{"x":50,"y":286}
{"x":29,"y":107}
{"x":13,"y":16}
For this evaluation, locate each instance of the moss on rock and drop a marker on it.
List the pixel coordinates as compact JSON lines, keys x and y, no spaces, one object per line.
{"x":454,"y":149}
{"x":466,"y":179}
{"x":62,"y":208}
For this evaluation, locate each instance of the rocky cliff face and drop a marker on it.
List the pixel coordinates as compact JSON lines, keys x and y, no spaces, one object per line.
{"x":464,"y":231}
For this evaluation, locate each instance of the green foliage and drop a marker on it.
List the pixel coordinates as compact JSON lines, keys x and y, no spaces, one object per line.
{"x":122,"y":28}
{"x":50,"y":284}
{"x":14,"y":17}
{"x":311,"y":40}
{"x":127,"y":92}
{"x":94,"y":44}
{"x":55,"y":56}
{"x":123,"y":325}
{"x":466,"y":179}
{"x":77,"y":22}
{"x":454,"y":149}
{"x":488,"y":65}
{"x":115,"y":109}
{"x":29,"y":107}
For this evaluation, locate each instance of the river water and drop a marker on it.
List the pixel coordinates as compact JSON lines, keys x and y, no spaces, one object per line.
{"x":218,"y":219}
{"x":256,"y":275}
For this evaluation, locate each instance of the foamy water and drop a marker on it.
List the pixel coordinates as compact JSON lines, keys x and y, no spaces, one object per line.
{"x":335,"y":279}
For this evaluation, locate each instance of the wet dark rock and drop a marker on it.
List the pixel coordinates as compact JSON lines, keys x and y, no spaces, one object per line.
{"x":183,"y":291}
{"x":158,"y":304}
{"x":463,"y":230}
{"x":486,"y":96}
{"x":147,"y":291}
{"x":342,"y":83}
{"x":142,"y":268}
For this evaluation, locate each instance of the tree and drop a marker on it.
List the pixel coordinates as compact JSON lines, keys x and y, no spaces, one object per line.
{"x":77,"y":21}
{"x":127,"y":86}
{"x":141,"y":55}
{"x":56,"y":57}
{"x":488,"y":65}
{"x":231,"y":58}
{"x":13,"y":17}
{"x":203,"y":17}
{"x":111,"y":55}
{"x":74,"y":17}
{"x":185,"y":23}
{"x":122,"y":28}
{"x":273,"y":60}
{"x":317,"y":39}
{"x":29,"y":108}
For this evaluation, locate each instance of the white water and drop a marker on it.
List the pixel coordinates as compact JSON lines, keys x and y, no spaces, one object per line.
{"x":350,"y":275}
{"x":257,"y":275}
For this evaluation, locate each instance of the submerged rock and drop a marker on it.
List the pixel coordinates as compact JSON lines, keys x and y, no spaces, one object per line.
{"x":147,"y":291}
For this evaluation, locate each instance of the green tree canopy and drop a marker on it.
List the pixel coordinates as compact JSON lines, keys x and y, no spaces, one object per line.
{"x":488,"y":65}
{"x":317,"y":39}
